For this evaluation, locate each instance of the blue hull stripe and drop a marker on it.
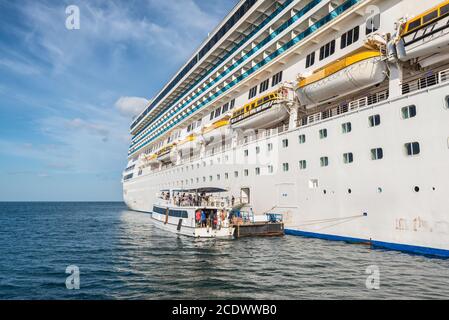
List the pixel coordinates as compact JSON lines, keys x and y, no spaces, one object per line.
{"x":442,"y":253}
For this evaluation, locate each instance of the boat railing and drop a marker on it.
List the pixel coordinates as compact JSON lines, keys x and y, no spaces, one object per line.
{"x":261,"y":134}
{"x":427,"y":81}
{"x":343,"y":108}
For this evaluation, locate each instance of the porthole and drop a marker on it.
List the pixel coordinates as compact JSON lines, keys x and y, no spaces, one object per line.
{"x":379,"y":190}
{"x":416,"y":189}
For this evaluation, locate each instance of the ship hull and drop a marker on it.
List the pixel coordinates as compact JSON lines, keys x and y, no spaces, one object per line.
{"x":399,"y":202}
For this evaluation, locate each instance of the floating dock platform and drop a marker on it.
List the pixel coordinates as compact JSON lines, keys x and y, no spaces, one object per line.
{"x":259,"y":229}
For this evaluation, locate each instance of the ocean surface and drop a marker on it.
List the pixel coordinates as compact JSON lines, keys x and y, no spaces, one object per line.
{"x":122,"y":255}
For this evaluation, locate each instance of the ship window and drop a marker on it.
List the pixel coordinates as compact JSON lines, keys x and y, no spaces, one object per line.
{"x":225,"y":108}
{"x":285,"y":143}
{"x":218,"y":177}
{"x":252,"y":92}
{"x":263,"y":86}
{"x":245,"y":172}
{"x":245,"y":152}
{"x":350,"y":37}
{"x":236,"y":174}
{"x":302,"y":138}
{"x":257,"y":171}
{"x":430,"y":16}
{"x":270,"y":146}
{"x":444,"y":10}
{"x":204,"y":179}
{"x":270,"y":168}
{"x":414,"y":24}
{"x":374,"y":120}
{"x":377,"y":154}
{"x":323,"y":133}
{"x":217,"y":112}
{"x":302,"y":165}
{"x":257,"y":150}
{"x":346,"y":127}
{"x":408,"y":112}
{"x":226,"y":175}
{"x":210,"y":178}
{"x":372,"y":24}
{"x":324,"y":161}
{"x":285,"y":167}
{"x":232,"y":104}
{"x":276,"y":78}
{"x":310,"y":59}
{"x":348,"y":157}
{"x":327,"y":50}
{"x":412,"y":148}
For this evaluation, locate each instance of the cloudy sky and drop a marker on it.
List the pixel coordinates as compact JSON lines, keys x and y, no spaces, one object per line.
{"x":67,"y":97}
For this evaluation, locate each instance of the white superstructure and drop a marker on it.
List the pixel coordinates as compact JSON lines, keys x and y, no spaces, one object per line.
{"x":332,"y":113}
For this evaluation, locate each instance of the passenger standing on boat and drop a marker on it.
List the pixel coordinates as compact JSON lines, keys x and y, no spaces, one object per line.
{"x":232,"y":201}
{"x":215,"y":220}
{"x":198,"y":217}
{"x":222,"y":217}
{"x":203,"y":218}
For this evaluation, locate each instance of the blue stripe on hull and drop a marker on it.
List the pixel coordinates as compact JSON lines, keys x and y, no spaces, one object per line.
{"x":442,"y":253}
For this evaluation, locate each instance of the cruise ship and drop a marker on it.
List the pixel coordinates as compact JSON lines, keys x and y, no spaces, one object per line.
{"x":333,"y":114}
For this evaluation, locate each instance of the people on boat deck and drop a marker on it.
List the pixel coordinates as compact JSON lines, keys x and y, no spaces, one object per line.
{"x":203,"y":219}
{"x":198,"y":217}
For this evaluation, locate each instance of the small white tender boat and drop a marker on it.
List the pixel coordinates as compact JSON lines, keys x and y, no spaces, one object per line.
{"x":343,"y":77}
{"x":178,"y":215}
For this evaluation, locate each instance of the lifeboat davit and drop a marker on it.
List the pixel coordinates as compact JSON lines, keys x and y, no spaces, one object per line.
{"x":189,"y":143}
{"x":167,"y":153}
{"x":426,"y":34}
{"x":216,"y":131}
{"x":261,"y":113}
{"x":348,"y":75}
{"x":151,"y":159}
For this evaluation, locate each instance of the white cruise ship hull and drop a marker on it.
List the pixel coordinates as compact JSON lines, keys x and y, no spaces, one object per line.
{"x":382,"y":208}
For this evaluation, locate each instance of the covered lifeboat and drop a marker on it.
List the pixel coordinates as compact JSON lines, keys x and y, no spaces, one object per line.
{"x":151,"y":159}
{"x":261,"y":113}
{"x":352,"y":73}
{"x":216,"y":131}
{"x":190,"y":143}
{"x":424,"y":35}
{"x":167,"y":153}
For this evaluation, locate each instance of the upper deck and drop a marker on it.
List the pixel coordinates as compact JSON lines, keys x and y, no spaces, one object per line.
{"x":267,"y":31}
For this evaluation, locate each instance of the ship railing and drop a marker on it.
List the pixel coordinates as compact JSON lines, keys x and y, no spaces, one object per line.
{"x":261,"y":134}
{"x":343,"y":107}
{"x":424,"y":82}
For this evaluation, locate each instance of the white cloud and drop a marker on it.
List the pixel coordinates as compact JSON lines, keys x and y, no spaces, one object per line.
{"x":131,"y":106}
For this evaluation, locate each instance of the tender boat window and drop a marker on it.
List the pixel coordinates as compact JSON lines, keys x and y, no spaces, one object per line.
{"x":430,"y":16}
{"x":414,"y":24}
{"x":444,"y":10}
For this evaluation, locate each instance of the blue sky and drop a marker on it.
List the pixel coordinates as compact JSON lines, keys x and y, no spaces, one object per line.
{"x":67,"y":97}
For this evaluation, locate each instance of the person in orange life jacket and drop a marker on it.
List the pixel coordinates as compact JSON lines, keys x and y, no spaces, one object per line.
{"x":198,"y":217}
